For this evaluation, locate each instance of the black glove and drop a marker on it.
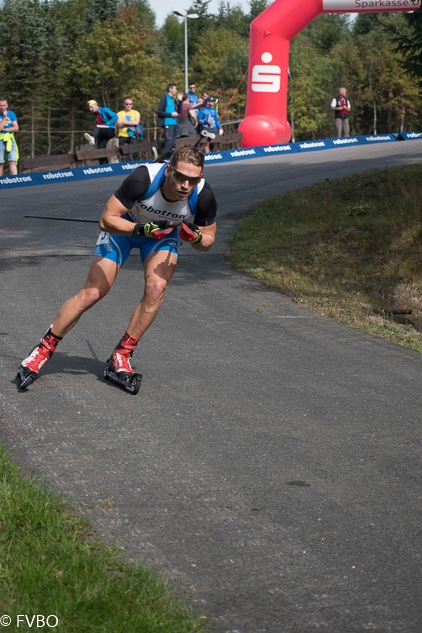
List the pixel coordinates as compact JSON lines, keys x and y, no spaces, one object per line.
{"x":157,"y":229}
{"x":189,"y":232}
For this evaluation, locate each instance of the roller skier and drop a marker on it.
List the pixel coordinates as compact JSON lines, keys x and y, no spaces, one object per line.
{"x":156,"y":207}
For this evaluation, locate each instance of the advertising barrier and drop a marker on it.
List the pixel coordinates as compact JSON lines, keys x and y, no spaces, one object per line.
{"x":409,"y":136}
{"x":117,"y":169}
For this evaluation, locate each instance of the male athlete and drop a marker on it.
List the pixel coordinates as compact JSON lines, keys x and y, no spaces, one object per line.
{"x":152,"y":210}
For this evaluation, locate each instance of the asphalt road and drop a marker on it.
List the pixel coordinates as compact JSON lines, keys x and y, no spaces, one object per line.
{"x":270,"y":465}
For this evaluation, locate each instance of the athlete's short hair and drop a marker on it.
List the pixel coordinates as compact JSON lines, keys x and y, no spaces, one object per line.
{"x":188,"y":154}
{"x":170,"y":86}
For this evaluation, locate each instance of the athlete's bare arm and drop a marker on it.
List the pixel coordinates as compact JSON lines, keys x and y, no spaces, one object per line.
{"x":111,"y":220}
{"x":208,"y":237}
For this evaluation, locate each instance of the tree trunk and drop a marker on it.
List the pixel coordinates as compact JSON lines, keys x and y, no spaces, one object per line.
{"x":72,"y":128}
{"x":32,"y":129}
{"x":402,"y":118}
{"x":49,"y":129}
{"x":375,"y":117}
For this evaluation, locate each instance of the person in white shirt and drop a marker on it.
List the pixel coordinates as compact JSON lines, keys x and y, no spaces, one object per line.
{"x":341,"y":107}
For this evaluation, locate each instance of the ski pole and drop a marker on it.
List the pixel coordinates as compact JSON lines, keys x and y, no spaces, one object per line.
{"x":52,"y":217}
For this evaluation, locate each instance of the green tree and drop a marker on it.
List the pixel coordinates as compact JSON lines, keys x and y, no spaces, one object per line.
{"x":101,"y":10}
{"x":407,"y":40}
{"x":310,"y":74}
{"x":387,"y":98}
{"x":328,"y":30}
{"x":172,"y":44}
{"x":220,"y":62}
{"x":256,"y":8}
{"x":232,"y":18}
{"x":117,"y":58}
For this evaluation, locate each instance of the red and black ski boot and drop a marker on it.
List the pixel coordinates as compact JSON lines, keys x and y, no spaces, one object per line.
{"x":118,"y":367}
{"x":40,"y":355}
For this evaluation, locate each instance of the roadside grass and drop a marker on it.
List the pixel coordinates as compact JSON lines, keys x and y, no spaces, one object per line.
{"x":53,"y":563}
{"x":349,"y":249}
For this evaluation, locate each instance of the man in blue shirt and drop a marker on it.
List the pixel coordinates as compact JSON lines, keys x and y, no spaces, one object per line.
{"x":208,"y":119}
{"x":8,"y":126}
{"x":168,"y":110}
{"x":194,"y":100}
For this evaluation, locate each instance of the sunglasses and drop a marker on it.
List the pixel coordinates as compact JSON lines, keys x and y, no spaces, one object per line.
{"x":193,"y":180}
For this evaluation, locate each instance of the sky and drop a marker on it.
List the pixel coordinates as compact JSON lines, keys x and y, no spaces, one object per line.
{"x":162,"y":8}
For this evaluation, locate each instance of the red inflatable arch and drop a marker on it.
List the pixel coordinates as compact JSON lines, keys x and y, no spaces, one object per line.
{"x":266,"y":122}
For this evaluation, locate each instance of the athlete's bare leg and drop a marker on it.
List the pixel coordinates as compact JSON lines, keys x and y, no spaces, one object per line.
{"x":158,"y":270}
{"x":101,"y":277}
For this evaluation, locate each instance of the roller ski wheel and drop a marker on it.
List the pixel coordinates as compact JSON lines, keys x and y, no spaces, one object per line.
{"x":25,"y":377}
{"x":129,"y":382}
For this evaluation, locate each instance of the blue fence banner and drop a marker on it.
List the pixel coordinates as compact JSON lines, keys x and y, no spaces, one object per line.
{"x":312,"y":146}
{"x":409,"y":136}
{"x":241,"y":153}
{"x":271,"y":150}
{"x":376,"y":138}
{"x":18,"y":181}
{"x":217,"y":157}
{"x":122,"y":169}
{"x":59,"y":176}
{"x":346,"y":140}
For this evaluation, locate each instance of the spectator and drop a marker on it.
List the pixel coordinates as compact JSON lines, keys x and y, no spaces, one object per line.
{"x":140,"y":132}
{"x":167,"y":117}
{"x":341,"y":107}
{"x":194,"y":100}
{"x":208,"y":119}
{"x":103,"y":129}
{"x":127,"y":125}
{"x":8,"y":127}
{"x":187,"y":119}
{"x":205,"y":95}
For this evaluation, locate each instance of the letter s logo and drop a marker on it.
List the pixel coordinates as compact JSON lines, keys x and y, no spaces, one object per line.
{"x":266,"y":78}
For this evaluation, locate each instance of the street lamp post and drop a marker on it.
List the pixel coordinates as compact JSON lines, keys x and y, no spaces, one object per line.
{"x":185,"y":17}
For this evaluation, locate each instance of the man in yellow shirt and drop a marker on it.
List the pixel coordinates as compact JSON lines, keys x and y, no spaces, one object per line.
{"x":127,"y":124}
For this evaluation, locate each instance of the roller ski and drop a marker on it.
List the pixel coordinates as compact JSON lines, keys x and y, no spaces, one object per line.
{"x":40,"y":355}
{"x":119,"y":370}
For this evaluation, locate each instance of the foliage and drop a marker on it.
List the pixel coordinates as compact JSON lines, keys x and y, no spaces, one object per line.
{"x":117,"y":58}
{"x":222,"y":57}
{"x":408,"y":42}
{"x":57,"y":54}
{"x":310,"y":73}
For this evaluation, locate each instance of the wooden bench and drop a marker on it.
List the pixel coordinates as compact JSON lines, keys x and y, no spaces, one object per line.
{"x":189,"y":140}
{"x":233,"y":138}
{"x":63,"y":161}
{"x":226,"y":140}
{"x":96,"y":154}
{"x":139,"y":148}
{"x":55,"y":161}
